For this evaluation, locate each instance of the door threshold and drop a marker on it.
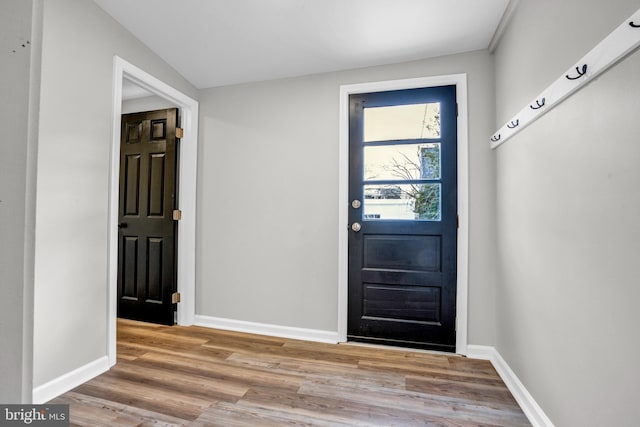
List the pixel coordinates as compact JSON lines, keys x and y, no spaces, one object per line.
{"x":397,"y":348}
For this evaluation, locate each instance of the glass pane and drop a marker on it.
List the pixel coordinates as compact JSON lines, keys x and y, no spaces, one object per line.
{"x":402,"y":122}
{"x":406,"y":161}
{"x":405,"y":201}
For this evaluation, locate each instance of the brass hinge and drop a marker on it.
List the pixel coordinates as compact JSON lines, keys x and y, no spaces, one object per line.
{"x":177,"y":214}
{"x":179,"y":133}
{"x":175,"y":297}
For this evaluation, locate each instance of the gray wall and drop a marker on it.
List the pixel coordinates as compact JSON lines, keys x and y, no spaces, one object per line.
{"x":18,"y":88}
{"x":79,"y":42}
{"x":568,"y":209}
{"x":147,"y":103}
{"x":268,"y":196}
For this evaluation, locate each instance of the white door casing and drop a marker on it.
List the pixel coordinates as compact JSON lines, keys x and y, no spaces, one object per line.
{"x":460,"y":81}
{"x":187,"y":170}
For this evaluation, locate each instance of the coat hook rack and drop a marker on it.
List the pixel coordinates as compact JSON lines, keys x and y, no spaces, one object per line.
{"x":580,"y":73}
{"x":617,"y":45}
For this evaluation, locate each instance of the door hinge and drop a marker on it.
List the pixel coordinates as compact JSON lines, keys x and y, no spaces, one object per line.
{"x":175,"y":297}
{"x":179,"y":133}
{"x":457,"y":221}
{"x":177,"y":214}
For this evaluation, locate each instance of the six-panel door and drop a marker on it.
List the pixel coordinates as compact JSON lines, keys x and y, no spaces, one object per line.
{"x":147,"y":231}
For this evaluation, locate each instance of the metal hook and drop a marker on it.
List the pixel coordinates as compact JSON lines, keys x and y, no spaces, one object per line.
{"x":580,"y":73}
{"x":513,"y":124}
{"x":539,"y":105}
{"x":634,"y":25}
{"x":495,"y":139}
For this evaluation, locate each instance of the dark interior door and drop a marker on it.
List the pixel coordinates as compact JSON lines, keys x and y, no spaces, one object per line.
{"x":403,"y":218}
{"x":147,"y":231}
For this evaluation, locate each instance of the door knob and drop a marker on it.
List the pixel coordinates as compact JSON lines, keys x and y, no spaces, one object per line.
{"x":122,"y":225}
{"x":356,"y":226}
{"x":356,"y":204}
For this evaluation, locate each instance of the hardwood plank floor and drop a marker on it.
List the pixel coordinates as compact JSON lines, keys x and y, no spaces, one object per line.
{"x":193,"y":376}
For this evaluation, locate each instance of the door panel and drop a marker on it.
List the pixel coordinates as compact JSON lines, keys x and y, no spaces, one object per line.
{"x":400,"y":252}
{"x":411,"y":303}
{"x":156,"y":185}
{"x":131,"y":187}
{"x":129,"y":272}
{"x":403,"y":193}
{"x":147,"y":231}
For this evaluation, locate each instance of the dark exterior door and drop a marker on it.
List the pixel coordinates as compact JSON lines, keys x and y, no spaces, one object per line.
{"x":147,"y":231}
{"x":403,"y":218}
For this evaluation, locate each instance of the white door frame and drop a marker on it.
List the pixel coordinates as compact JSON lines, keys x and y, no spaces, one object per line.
{"x":186,"y":189}
{"x":460,"y":81}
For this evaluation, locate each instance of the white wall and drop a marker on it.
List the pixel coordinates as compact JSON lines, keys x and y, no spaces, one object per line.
{"x":79,"y":42}
{"x":19,"y":20}
{"x":568,"y":210}
{"x":268,"y":194}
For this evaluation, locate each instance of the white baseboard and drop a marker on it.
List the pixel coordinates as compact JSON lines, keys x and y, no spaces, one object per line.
{"x":529,"y":406}
{"x":267,"y":329}
{"x":70,"y":380}
{"x":482,"y":352}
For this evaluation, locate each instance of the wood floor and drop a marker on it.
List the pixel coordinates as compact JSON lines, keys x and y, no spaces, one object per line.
{"x":192,"y":376}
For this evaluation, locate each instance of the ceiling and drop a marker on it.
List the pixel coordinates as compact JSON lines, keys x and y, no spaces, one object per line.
{"x":224,"y":42}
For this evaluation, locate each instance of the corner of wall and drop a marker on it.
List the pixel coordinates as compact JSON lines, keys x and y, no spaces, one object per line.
{"x":30,"y":199}
{"x":527,"y":403}
{"x":502,"y":25}
{"x":70,"y":380}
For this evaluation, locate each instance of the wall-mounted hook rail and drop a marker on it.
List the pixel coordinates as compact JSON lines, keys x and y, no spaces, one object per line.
{"x":538,"y":104}
{"x":617,"y":45}
{"x":580,"y":73}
